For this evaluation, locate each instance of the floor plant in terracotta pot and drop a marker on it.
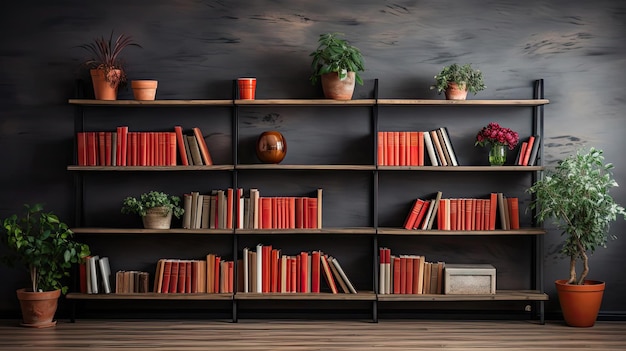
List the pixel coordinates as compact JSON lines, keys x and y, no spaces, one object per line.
{"x":337,"y":64}
{"x":106,"y":66}
{"x":44,"y":246}
{"x":576,"y":194}
{"x":457,"y":80}
{"x":155,"y":208}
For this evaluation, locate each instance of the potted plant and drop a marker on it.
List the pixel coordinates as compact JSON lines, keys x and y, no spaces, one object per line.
{"x":155,"y":208}
{"x":456,"y":80}
{"x":337,"y":64}
{"x":576,"y":194}
{"x":106,"y":67}
{"x":498,"y":138}
{"x":43,"y":245}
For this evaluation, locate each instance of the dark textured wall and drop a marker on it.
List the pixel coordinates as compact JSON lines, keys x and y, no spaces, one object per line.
{"x":195,"y":48}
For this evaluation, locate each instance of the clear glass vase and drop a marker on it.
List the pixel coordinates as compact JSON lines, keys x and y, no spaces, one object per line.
{"x":497,"y":155}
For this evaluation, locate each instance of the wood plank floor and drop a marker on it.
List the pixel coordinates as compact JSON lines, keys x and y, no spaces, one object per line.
{"x":165,"y":335}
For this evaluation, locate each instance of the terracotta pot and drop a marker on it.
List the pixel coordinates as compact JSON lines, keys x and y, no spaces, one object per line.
{"x":144,"y":89}
{"x":337,"y":89}
{"x":271,"y":147}
{"x":102,"y":89}
{"x":157,"y":218}
{"x":38,"y":308}
{"x":454,"y":93}
{"x":580,"y":303}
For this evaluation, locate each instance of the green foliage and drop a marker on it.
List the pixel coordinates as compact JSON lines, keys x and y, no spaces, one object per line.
{"x":133,"y":205}
{"x":336,"y":55}
{"x":576,"y":194}
{"x":43,"y":244}
{"x":464,"y":76}
{"x":105,"y":54}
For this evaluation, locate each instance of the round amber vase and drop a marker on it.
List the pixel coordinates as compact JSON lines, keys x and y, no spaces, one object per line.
{"x":271,"y":147}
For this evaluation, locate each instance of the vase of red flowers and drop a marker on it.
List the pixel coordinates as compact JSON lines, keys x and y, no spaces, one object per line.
{"x":498,"y":138}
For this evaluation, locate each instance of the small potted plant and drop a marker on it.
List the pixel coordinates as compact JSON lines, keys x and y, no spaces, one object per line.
{"x":576,"y":194}
{"x":44,"y":246}
{"x":337,"y":64}
{"x":106,"y":67}
{"x":155,"y":208}
{"x":456,"y":80}
{"x":498,"y":138}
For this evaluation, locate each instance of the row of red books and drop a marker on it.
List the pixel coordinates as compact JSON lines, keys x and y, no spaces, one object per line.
{"x":212,"y":275}
{"x":464,"y":213}
{"x":408,"y":274}
{"x":265,"y":270}
{"x":528,"y":151}
{"x":125,"y":148}
{"x":278,"y":212}
{"x":408,"y":148}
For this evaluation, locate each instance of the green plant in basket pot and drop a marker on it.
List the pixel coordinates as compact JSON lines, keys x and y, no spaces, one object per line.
{"x":498,"y":138}
{"x":155,"y":208}
{"x":337,"y":64}
{"x":39,"y":242}
{"x":576,"y":194}
{"x":456,"y":80}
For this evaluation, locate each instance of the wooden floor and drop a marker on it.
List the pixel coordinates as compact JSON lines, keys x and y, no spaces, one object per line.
{"x":162,"y":335}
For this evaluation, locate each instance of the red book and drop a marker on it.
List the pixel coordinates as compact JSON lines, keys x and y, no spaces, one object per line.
{"x":396,"y":275}
{"x":478,"y":210}
{"x":386,"y":145}
{"x":304,"y":271}
{"x":380,"y":149}
{"x":312,"y":212}
{"x":82,"y":273}
{"x":292,"y":212}
{"x":81,"y":148}
{"x":274,"y":274}
{"x":216,"y":274}
{"x":182,"y":277}
{"x":409,"y":223}
{"x":421,"y":215}
{"x":529,"y":147}
{"x":101,"y":140}
{"x":195,"y":276}
{"x":135,"y":149}
{"x":513,"y":205}
{"x":265,"y":268}
{"x":293,"y":273}
{"x":328,"y":274}
{"x":315,"y":271}
{"x":403,"y":145}
{"x":409,"y":275}
{"x":231,"y":276}
{"x":469,"y":211}
{"x":239,"y":208}
{"x":181,"y":145}
{"x":522,"y":153}
{"x":92,"y":149}
{"x":188,"y":281}
{"x":420,"y":148}
{"x":414,"y":147}
{"x":167,"y":273}
{"x":204,"y":150}
{"x":455,"y":214}
{"x":229,"y":208}
{"x":174,"y":277}
{"x":108,"y":137}
{"x":493,"y":205}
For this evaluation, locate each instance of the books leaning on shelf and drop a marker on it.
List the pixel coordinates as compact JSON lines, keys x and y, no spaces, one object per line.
{"x":528,"y":151}
{"x":125,"y":148}
{"x":408,"y":274}
{"x":265,"y":269}
{"x":464,"y":213}
{"x":208,"y":211}
{"x":131,"y":282}
{"x":409,"y":148}
{"x":182,"y":276}
{"x":95,"y":275}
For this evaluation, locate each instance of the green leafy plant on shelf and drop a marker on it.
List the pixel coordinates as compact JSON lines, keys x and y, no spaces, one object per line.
{"x":43,"y":245}
{"x":466,"y":77}
{"x":335,"y":54}
{"x":152,"y":199}
{"x":576,"y":194}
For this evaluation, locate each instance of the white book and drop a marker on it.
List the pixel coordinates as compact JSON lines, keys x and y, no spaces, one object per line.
{"x":430,"y":149}
{"x":259,"y":268}
{"x":446,"y":140}
{"x":105,"y":273}
{"x":94,"y":273}
{"x":343,"y":275}
{"x":381,"y":273}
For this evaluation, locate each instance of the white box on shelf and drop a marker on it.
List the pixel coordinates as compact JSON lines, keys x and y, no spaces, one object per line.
{"x":470,"y":279}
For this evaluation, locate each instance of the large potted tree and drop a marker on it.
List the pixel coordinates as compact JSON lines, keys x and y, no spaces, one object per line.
{"x":43,"y":245}
{"x":576,"y":194}
{"x":106,"y":67}
{"x":337,"y":64}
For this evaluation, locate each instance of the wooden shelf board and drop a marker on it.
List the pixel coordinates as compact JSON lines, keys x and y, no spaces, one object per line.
{"x":307,"y":167}
{"x":500,"y":295}
{"x":149,"y":296}
{"x":305,"y":102}
{"x":150,"y":168}
{"x":176,"y":231}
{"x":356,"y":230}
{"x":402,"y":231}
{"x":462,"y":168}
{"x":526,"y":102}
{"x":160,"y":103}
{"x":361,"y":296}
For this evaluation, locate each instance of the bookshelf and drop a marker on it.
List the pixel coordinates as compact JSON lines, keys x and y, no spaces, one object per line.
{"x":363,"y":202}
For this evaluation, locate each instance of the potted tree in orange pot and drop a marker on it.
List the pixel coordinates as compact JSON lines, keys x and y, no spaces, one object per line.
{"x":106,"y":67}
{"x":576,"y":194}
{"x":456,"y":80}
{"x":44,"y":246}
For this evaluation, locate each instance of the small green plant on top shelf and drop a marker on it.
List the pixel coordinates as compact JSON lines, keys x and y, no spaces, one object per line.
{"x":463,"y":78}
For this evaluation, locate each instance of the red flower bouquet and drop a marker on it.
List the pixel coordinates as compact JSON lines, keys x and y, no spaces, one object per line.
{"x":494,"y":134}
